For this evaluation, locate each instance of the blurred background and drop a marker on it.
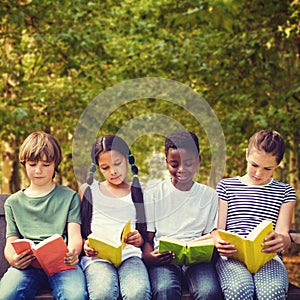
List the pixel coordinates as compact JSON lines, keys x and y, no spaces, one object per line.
{"x":242,"y":56}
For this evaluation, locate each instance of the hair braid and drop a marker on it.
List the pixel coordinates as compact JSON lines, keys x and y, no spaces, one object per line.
{"x":86,"y":211}
{"x":138,"y":198}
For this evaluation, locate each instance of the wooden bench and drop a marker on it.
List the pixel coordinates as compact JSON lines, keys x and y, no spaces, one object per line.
{"x":294,"y":292}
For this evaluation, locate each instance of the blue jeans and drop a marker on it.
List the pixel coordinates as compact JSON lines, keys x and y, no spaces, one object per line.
{"x":130,"y":280}
{"x":201,"y":279}
{"x":24,"y":284}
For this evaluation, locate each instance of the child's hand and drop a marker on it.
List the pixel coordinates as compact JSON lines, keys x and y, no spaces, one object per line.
{"x":23,"y":260}
{"x":275,"y":242}
{"x":88,"y":250}
{"x":134,"y":238}
{"x":156,"y":258}
{"x":71,"y":258}
{"x":224,"y":248}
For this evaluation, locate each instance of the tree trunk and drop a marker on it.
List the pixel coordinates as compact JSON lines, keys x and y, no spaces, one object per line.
{"x":10,"y":169}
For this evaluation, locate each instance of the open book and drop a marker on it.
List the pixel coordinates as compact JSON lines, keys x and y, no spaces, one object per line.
{"x":187,"y":253}
{"x":249,"y":248}
{"x":108,"y":248}
{"x":49,"y":253}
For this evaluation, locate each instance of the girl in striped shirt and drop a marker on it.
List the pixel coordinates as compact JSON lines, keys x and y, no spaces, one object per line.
{"x":243,"y":203}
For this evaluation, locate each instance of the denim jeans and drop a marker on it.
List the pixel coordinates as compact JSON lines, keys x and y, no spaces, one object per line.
{"x":24,"y":284}
{"x":201,"y":279}
{"x":130,"y":280}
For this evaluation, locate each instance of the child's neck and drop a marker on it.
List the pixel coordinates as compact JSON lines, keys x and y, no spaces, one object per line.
{"x":112,"y":190}
{"x":182,"y":186}
{"x":39,"y":191}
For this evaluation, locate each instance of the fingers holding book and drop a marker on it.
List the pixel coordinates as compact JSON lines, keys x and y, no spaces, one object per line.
{"x":225,"y":248}
{"x":88,"y":250}
{"x":23,"y":260}
{"x":134,"y":238}
{"x":276,"y":242}
{"x":156,"y":258}
{"x":71,"y":258}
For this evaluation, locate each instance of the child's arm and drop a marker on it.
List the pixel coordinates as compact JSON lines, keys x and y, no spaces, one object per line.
{"x":153,"y":257}
{"x":279,"y":239}
{"x":21,"y":261}
{"x":74,"y":243}
{"x":223,"y":247}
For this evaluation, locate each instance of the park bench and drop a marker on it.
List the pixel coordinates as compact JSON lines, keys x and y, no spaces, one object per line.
{"x":294,"y":292}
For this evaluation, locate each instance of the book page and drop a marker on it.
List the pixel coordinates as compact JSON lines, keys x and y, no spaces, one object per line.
{"x":203,"y":237}
{"x":262,"y":230}
{"x":125,"y":231}
{"x":173,"y":240}
{"x":47,"y":240}
{"x":112,"y":238}
{"x":199,"y":242}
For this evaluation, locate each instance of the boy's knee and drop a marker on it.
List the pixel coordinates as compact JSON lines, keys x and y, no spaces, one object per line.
{"x":166,"y":292}
{"x":72,"y":294}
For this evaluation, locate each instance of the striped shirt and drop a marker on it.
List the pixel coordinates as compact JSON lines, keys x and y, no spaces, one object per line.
{"x":248,"y":205}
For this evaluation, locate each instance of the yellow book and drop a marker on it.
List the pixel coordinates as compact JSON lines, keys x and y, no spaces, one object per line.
{"x":107,"y":248}
{"x":187,"y":253}
{"x":249,"y":248}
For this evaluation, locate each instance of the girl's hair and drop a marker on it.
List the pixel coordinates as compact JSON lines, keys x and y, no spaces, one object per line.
{"x":184,"y":140}
{"x":268,"y":141}
{"x":101,"y":145}
{"x":40,"y":146}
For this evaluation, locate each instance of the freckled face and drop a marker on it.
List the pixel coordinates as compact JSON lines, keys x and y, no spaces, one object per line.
{"x":260,"y":167}
{"x":182,"y":165}
{"x":114,"y":166}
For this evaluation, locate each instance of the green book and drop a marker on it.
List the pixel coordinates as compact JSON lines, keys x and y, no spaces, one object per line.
{"x":187,"y":253}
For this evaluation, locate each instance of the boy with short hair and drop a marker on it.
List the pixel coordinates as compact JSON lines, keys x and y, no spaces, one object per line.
{"x":183,"y":209}
{"x":36,"y":213}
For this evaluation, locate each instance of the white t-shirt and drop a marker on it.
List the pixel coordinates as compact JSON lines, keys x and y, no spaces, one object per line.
{"x":110,"y":214}
{"x":184,"y":215}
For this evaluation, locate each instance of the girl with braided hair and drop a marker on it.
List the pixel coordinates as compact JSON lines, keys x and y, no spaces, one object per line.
{"x":108,"y":205}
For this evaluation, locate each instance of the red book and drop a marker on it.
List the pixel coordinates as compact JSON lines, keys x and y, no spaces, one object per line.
{"x":49,"y":253}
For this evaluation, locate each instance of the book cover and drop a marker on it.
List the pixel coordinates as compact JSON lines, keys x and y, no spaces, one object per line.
{"x":249,"y":248}
{"x":187,"y":253}
{"x":107,"y":248}
{"x":49,"y":253}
